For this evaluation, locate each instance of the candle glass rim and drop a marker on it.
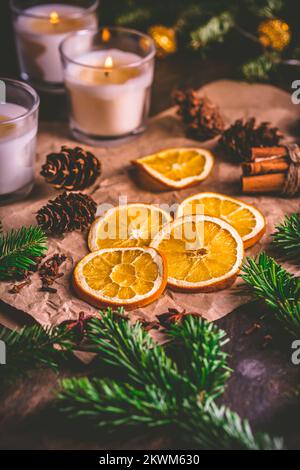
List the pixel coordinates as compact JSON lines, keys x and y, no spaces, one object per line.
{"x":24,"y":12}
{"x":137,"y":63}
{"x":28,"y":89}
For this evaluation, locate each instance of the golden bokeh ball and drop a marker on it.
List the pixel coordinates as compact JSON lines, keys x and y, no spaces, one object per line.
{"x":164,"y":39}
{"x":274,"y":33}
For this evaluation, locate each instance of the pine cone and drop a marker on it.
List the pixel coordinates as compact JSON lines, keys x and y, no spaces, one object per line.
{"x":241,"y":136}
{"x":202,"y":118}
{"x":71,"y":169}
{"x":67,"y":212}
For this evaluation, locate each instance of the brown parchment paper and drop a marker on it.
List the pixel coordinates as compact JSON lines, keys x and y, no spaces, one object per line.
{"x":236,"y":100}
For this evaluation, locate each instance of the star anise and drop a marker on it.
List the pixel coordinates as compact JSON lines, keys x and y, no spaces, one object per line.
{"x":174,"y":317}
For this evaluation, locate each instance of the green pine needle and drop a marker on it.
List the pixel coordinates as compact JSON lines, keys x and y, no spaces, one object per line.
{"x":110,"y":404}
{"x":204,"y":361}
{"x":218,"y":428}
{"x":214,"y":30}
{"x":130,"y":349}
{"x":34,"y":347}
{"x":260,"y":68}
{"x":18,"y":248}
{"x":279,"y":289}
{"x":287,"y":237}
{"x":158,"y":390}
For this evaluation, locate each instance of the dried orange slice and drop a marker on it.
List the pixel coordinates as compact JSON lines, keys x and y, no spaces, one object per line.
{"x":127,"y":225}
{"x":174,"y":168}
{"x":246,"y":219}
{"x":203,"y":253}
{"x":127,"y":277}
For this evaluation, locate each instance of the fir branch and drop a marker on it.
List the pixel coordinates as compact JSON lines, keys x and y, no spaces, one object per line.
{"x":279,"y":289}
{"x":18,"y":248}
{"x":259,"y":69}
{"x":156,"y":391}
{"x":110,"y":403}
{"x":287,"y":236}
{"x":203,"y":361}
{"x":34,"y":347}
{"x":214,"y":30}
{"x":218,"y":428}
{"x":131,"y":349}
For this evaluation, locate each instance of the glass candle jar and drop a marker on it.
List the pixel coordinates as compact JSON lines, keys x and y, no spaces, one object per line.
{"x":108,"y":76}
{"x":40,"y":26}
{"x":18,"y":129}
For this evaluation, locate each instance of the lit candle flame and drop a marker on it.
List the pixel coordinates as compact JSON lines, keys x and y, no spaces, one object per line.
{"x":105,"y":35}
{"x":108,"y":62}
{"x":54,"y":17}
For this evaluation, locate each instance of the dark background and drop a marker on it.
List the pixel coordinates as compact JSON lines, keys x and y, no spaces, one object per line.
{"x":264,"y":380}
{"x":184,"y":69}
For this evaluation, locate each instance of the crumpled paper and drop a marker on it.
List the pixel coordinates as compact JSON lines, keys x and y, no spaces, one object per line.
{"x":236,"y":100}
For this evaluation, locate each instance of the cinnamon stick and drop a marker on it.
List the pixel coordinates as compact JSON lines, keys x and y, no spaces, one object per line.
{"x":271,"y":165}
{"x":269,"y":183}
{"x":267,"y":152}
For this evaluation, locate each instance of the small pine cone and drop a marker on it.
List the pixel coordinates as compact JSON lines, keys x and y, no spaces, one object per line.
{"x":241,"y":136}
{"x":201,"y":116}
{"x":71,"y":169}
{"x":67,"y":212}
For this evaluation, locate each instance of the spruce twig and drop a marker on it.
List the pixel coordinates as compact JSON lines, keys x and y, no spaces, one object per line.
{"x":130,"y":349}
{"x":261,"y":67}
{"x":158,"y":391}
{"x":214,"y":30}
{"x":279,"y":289}
{"x":34,"y":347}
{"x":287,"y":237}
{"x":19,"y":248}
{"x":204,"y":361}
{"x":218,"y":428}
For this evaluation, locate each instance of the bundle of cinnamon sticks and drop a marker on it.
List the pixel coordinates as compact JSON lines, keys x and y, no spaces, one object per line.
{"x":266,"y":170}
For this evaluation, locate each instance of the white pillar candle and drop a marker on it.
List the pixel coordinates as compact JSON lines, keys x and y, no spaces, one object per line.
{"x":17,"y":149}
{"x":109,"y":92}
{"x":40,"y":31}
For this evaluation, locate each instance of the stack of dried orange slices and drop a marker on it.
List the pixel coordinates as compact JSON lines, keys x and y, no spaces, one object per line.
{"x":137,"y":249}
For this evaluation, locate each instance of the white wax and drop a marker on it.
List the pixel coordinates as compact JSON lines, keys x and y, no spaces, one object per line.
{"x":17,"y":151}
{"x":38,"y":40}
{"x":108,"y":103}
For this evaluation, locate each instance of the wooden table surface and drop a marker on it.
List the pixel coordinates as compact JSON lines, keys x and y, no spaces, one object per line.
{"x":264,"y":379}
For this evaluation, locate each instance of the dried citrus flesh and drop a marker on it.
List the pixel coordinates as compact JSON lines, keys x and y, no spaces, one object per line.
{"x":176,"y":168}
{"x":203,"y":253}
{"x":130,"y":277}
{"x":127,"y":226}
{"x":246,"y":219}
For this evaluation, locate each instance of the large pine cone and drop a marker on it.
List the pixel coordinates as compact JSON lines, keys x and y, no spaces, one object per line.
{"x":241,"y":136}
{"x":71,"y":169}
{"x":202,"y":118}
{"x":67,"y":212}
